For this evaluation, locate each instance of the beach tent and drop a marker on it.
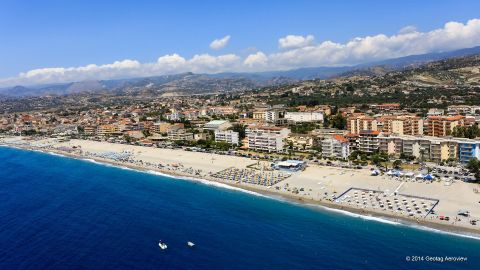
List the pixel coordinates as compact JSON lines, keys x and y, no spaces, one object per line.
{"x":390,"y":172}
{"x":398,"y":173}
{"x":409,"y":174}
{"x":429,"y":177}
{"x":375,"y":173}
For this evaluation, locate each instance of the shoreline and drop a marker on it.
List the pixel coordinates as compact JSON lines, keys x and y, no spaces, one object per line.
{"x":325,"y":205}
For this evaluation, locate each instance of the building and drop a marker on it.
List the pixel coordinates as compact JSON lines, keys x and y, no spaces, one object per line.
{"x":108,"y":130}
{"x":90,"y":130}
{"x":435,"y":112}
{"x":228,"y":136}
{"x":180,"y":135}
{"x":336,"y":147}
{"x":217,"y":125}
{"x":266,"y":138}
{"x":269,"y":116}
{"x":386,"y":106}
{"x":441,"y":126}
{"x":463,"y":110}
{"x":443,"y":149}
{"x":468,"y":149}
{"x":300,"y":117}
{"x":357,"y":123}
{"x":420,"y":147}
{"x":392,"y":145}
{"x":368,"y":141}
{"x":165,"y":127}
{"x":300,"y":141}
{"x":403,"y":125}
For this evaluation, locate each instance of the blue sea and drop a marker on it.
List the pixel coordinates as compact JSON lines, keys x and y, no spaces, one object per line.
{"x":62,"y":213}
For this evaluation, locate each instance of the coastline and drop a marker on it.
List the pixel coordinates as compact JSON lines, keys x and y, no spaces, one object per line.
{"x":325,"y":205}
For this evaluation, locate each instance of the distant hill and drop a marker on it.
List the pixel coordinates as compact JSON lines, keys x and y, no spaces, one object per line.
{"x":190,"y":83}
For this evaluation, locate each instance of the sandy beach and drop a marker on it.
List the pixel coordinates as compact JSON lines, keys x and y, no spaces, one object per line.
{"x":316,"y":185}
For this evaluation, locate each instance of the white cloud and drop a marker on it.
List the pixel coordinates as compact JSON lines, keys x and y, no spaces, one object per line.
{"x":292,"y":41}
{"x":408,"y":29}
{"x":218,"y":44}
{"x":452,"y":36}
{"x":258,"y":59}
{"x":296,"y":51}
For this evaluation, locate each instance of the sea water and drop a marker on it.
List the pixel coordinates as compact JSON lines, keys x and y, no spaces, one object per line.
{"x":62,"y":213}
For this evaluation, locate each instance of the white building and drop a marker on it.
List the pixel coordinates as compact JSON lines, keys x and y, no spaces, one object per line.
{"x":269,"y":116}
{"x":228,"y":136}
{"x":463,"y":109}
{"x":304,"y":116}
{"x":266,"y":138}
{"x":335,"y":147}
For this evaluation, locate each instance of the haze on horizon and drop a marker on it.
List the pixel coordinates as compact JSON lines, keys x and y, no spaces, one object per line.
{"x":63,"y":42}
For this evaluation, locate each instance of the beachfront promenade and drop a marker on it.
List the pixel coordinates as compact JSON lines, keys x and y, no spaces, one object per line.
{"x":361,"y":192}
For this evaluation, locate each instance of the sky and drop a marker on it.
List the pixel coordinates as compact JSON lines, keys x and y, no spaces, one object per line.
{"x":61,"y":41}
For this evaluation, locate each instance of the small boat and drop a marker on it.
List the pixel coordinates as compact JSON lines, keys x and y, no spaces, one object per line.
{"x":190,"y":244}
{"x":162,"y":245}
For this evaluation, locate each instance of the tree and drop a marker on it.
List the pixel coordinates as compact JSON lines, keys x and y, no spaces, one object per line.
{"x":339,"y":121}
{"x":354,"y":155}
{"x":397,"y":163}
{"x":240,"y":129}
{"x":146,"y":133}
{"x":474,"y":167}
{"x":290,"y":149}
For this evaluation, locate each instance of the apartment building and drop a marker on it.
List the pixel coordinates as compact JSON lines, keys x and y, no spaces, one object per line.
{"x":468,"y":149}
{"x":269,"y":116}
{"x":228,"y":136}
{"x":463,"y":110}
{"x":392,"y":145}
{"x":336,"y":147}
{"x":428,"y":147}
{"x":108,"y":130}
{"x":368,"y":141}
{"x":180,"y":135}
{"x":266,"y":138}
{"x":404,"y":125}
{"x":300,"y":117}
{"x":165,"y":127}
{"x":441,"y":126}
{"x":357,"y":123}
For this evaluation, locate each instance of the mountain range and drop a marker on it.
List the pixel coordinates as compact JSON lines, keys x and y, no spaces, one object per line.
{"x":190,"y":83}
